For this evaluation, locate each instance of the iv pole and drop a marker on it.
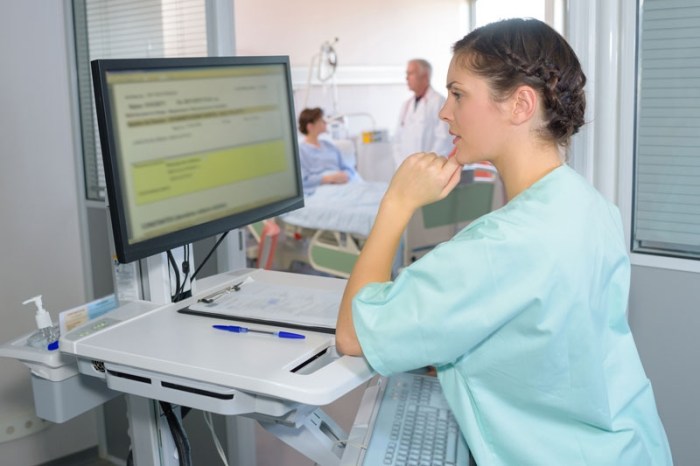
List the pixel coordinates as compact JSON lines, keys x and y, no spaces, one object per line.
{"x":325,"y":62}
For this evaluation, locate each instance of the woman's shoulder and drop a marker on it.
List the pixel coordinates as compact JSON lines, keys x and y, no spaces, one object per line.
{"x":326,"y":143}
{"x":309,"y":148}
{"x":328,"y":146}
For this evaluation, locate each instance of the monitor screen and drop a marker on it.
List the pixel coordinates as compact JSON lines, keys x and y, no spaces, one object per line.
{"x":194,"y":147}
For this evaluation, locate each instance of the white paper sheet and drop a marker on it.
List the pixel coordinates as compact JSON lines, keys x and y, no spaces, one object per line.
{"x":261,"y":300}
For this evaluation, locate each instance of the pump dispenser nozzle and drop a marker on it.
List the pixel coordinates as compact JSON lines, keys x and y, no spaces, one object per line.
{"x":43,"y":318}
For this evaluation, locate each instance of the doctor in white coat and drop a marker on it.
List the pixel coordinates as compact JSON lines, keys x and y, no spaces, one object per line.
{"x":420,"y":128}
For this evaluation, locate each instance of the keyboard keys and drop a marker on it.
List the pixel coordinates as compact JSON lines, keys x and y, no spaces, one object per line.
{"x":423,"y":431}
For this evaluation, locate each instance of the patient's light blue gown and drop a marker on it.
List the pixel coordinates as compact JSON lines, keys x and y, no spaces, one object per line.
{"x":523,"y":314}
{"x":317,"y":161}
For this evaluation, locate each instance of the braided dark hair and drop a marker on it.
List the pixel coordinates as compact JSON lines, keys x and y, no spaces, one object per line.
{"x":520,"y":51}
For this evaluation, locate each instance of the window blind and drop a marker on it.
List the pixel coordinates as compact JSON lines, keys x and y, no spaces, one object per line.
{"x":666,"y":217}
{"x":128,"y":29}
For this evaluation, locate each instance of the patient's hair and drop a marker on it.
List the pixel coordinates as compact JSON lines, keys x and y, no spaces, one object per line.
{"x":520,"y":51}
{"x":309,"y":115}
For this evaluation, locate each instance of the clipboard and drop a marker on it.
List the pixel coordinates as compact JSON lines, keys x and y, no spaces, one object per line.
{"x":266,"y":303}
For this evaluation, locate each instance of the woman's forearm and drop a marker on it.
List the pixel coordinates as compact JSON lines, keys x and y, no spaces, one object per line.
{"x":373,"y":265}
{"x":421,"y":179}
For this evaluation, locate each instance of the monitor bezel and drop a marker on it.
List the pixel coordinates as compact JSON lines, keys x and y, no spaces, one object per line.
{"x":129,"y":252}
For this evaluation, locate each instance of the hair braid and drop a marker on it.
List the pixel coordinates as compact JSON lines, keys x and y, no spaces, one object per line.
{"x":517,"y":51}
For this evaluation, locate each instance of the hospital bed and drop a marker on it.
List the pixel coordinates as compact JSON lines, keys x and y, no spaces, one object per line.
{"x":479,"y":191}
{"x":328,"y":232}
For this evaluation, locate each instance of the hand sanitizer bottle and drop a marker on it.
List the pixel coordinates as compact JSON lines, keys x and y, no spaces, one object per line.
{"x":47,"y":335}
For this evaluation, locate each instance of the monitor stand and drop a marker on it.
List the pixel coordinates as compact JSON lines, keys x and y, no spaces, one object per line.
{"x":158,"y":283}
{"x":308,"y":429}
{"x":151,"y":440}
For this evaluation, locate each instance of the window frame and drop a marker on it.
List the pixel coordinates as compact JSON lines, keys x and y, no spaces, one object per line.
{"x":219,"y":36}
{"x":627,"y":141}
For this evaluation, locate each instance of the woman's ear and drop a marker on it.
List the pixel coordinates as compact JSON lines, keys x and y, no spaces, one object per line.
{"x":525,"y":101}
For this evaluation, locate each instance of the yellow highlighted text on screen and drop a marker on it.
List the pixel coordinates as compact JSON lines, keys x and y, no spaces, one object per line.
{"x":163,"y":179}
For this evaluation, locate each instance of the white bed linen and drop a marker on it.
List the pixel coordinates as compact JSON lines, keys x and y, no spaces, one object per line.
{"x":350,"y":207}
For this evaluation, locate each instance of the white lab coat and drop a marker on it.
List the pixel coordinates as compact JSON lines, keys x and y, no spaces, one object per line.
{"x":420,"y":128}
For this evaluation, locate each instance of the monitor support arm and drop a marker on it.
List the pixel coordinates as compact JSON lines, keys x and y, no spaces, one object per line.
{"x":310,"y":431}
{"x":307,"y":429}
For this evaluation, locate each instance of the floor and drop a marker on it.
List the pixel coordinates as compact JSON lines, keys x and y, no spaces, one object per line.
{"x":88,"y":457}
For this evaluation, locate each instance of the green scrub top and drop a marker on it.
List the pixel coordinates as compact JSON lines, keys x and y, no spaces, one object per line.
{"x":523,"y":315}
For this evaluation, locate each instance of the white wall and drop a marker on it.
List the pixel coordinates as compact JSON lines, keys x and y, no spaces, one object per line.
{"x":40,"y":233}
{"x":375,"y":40}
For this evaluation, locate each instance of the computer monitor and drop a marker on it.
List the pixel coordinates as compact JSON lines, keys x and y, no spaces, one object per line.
{"x":194,"y":147}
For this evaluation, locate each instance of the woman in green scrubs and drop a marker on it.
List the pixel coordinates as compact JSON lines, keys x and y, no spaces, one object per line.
{"x":523,"y":312}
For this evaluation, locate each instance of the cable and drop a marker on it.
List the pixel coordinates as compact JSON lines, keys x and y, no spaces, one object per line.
{"x":176,"y":271}
{"x":183,"y":412}
{"x":180,"y":287}
{"x":182,"y":444}
{"x":208,"y":256}
{"x":207,"y":419}
{"x":186,"y":271}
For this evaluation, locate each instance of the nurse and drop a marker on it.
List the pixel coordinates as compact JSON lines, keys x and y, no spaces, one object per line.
{"x":523,"y":312}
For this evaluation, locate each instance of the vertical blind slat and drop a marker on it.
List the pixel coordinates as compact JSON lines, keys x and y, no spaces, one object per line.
{"x":667,"y":158}
{"x":129,"y":29}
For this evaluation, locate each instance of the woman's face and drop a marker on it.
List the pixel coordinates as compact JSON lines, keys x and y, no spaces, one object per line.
{"x":477,"y":122}
{"x":317,"y":127}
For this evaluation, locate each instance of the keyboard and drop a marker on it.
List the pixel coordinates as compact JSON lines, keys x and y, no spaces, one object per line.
{"x":404,"y":420}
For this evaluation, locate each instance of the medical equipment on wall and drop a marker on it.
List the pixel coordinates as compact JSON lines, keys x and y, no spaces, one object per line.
{"x":328,"y":61}
{"x":324,"y":63}
{"x":342,"y":126}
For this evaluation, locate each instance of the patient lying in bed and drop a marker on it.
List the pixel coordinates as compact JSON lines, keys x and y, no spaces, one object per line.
{"x":321,"y":161}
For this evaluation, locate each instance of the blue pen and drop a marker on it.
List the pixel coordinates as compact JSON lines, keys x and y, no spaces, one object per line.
{"x":238,"y":329}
